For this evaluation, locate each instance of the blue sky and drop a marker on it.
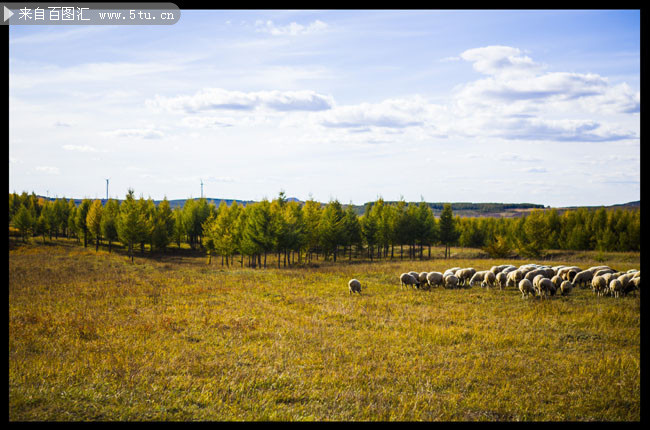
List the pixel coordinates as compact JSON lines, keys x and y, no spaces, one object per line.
{"x":482,"y":106}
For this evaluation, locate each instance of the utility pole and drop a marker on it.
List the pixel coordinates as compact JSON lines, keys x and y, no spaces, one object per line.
{"x":107,"y":188}
{"x":201,"y":188}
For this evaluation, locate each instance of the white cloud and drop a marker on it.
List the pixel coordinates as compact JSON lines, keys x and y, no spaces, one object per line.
{"x":292,"y":29}
{"x":500,"y":60}
{"x":221,"y":99}
{"x":50,"y":170}
{"x":142,"y":133}
{"x":79,"y":148}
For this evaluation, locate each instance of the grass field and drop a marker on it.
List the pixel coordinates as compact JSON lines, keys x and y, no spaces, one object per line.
{"x":94,"y":337}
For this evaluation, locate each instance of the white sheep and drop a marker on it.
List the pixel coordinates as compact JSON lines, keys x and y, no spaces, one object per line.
{"x":566,"y":287}
{"x":599,"y":285}
{"x":557,"y":281}
{"x":501,"y":280}
{"x":602,"y":272}
{"x":488,"y":280}
{"x":476,"y":278}
{"x":422,"y":280}
{"x":434,"y":278}
{"x":514,"y":278}
{"x":451,"y":281}
{"x":464,"y":275}
{"x":545,"y":287}
{"x":632,"y":286}
{"x":354,"y":286}
{"x":416,"y":275}
{"x":583,"y":278}
{"x":451,"y":271}
{"x":526,"y":288}
{"x":616,"y":287}
{"x":407,"y":279}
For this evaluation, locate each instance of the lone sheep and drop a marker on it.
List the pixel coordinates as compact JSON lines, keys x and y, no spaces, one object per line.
{"x":354,"y":286}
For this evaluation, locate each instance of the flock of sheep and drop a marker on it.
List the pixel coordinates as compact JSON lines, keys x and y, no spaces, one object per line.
{"x":530,"y":279}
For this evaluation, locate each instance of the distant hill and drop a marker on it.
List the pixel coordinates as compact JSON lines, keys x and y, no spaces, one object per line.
{"x":464,"y":209}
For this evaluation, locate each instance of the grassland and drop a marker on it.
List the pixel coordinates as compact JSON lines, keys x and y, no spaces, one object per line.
{"x":94,"y":337}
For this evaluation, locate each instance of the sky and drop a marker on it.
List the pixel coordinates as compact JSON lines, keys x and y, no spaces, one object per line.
{"x":526,"y":106}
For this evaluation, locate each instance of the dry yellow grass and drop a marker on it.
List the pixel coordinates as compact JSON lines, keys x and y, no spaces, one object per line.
{"x":94,"y":337}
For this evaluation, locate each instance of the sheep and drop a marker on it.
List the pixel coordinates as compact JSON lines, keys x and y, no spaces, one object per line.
{"x":625,"y":279}
{"x":488,"y":280}
{"x":464,"y":275}
{"x":514,"y":278}
{"x":564,"y":272}
{"x":501,"y":279}
{"x":566,"y":287}
{"x":354,"y":286}
{"x":498,"y":269}
{"x":602,"y":271}
{"x":637,"y":274}
{"x":571,"y":274}
{"x":632,"y":286}
{"x":407,"y":279}
{"x":583,"y":278}
{"x":477,"y":277}
{"x":422,"y":280}
{"x":545,"y":287}
{"x":531,"y":275}
{"x":434,"y":278}
{"x":508,"y":270}
{"x":557,"y":281}
{"x":632,"y":271}
{"x":416,"y":275}
{"x":616,"y":287}
{"x":526,"y":288}
{"x":451,"y":271}
{"x":451,"y":281}
{"x":599,"y":284}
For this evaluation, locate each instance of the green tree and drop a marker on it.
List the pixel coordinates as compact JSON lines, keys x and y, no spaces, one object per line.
{"x":94,"y":222}
{"x":24,"y":222}
{"x":447,"y":227}
{"x":80,"y":219}
{"x":331,"y":228}
{"x":131,"y":223}
{"x":109,"y":219}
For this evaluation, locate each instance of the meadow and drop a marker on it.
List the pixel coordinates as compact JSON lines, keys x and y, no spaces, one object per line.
{"x":93,"y":336}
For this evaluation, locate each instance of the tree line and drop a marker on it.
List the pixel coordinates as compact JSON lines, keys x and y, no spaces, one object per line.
{"x":302,"y":231}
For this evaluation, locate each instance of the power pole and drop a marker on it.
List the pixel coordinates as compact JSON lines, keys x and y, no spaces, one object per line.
{"x":201,"y":188}
{"x":107,"y":188}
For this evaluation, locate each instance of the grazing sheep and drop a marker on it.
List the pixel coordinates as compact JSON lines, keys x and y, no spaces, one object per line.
{"x":602,"y":272}
{"x":451,"y":281}
{"x":564,"y":272}
{"x":514,"y":278}
{"x":531,"y":275}
{"x":526,"y":288}
{"x":571,"y":274}
{"x":582,"y":279}
{"x":508,"y":270}
{"x":557,"y":281}
{"x":434,"y":278}
{"x":451,"y":271}
{"x":545,"y":287}
{"x":488,"y":280}
{"x":501,"y":279}
{"x":537,"y":278}
{"x":566,"y":287}
{"x":477,"y":277}
{"x":354,"y":286}
{"x":632,"y":286}
{"x":625,"y":278}
{"x":407,"y":279}
{"x":616,"y":288}
{"x":422,"y":280}
{"x":599,"y":284}
{"x":416,"y":275}
{"x":637,"y":274}
{"x":464,"y":275}
{"x":632,"y":271}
